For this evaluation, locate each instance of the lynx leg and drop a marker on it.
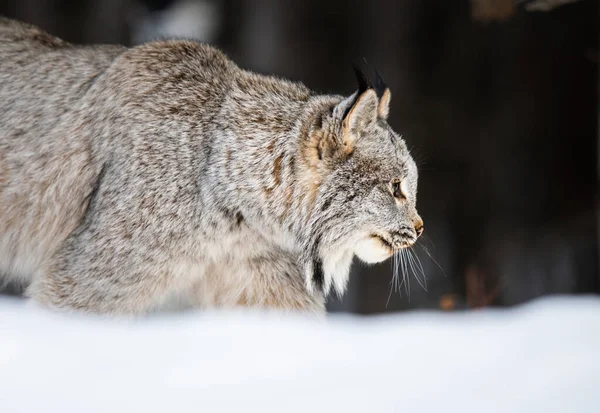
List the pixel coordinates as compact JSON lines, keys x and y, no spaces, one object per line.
{"x":271,"y":280}
{"x":101,"y":276}
{"x":120,"y":258}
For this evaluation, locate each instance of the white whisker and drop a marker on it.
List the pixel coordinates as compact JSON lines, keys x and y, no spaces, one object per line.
{"x":433,"y":259}
{"x":426,"y":238}
{"x":393,"y":281}
{"x":420,"y":265}
{"x":417,"y":269}
{"x":405,"y":274}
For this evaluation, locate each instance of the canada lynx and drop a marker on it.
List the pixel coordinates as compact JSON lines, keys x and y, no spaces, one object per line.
{"x":130,"y":178}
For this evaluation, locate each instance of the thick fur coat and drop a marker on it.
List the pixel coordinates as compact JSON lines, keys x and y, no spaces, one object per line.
{"x":132,"y":179}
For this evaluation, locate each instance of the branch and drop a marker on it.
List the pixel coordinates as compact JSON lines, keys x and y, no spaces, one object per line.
{"x":496,"y":10}
{"x":544,"y":5}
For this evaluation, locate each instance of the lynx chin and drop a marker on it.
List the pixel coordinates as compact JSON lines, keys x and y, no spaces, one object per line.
{"x":134,"y":179}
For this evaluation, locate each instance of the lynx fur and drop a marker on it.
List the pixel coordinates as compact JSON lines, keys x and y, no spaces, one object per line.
{"x":134,"y":178}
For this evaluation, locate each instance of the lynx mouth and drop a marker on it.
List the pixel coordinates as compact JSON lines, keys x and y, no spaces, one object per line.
{"x":385,"y":242}
{"x":394,"y":245}
{"x":375,"y":248}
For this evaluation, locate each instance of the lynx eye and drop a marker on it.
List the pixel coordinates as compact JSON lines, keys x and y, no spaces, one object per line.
{"x":397,"y":190}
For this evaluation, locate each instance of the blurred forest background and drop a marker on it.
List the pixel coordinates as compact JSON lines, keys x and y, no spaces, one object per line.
{"x":498,"y":100}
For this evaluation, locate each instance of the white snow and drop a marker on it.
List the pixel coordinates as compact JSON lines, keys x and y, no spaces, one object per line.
{"x":543,"y":357}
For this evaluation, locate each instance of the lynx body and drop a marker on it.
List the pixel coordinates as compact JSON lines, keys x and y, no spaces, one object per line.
{"x":134,"y":178}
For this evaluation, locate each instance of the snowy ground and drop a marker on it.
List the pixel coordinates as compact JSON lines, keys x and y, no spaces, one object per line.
{"x":544,"y":357}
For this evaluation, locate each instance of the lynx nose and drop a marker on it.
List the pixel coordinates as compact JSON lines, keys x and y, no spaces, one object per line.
{"x":419,"y":228}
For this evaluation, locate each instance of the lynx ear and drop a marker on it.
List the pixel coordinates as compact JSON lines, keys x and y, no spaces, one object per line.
{"x":361,"y":114}
{"x":383,"y":110}
{"x":384,"y":95}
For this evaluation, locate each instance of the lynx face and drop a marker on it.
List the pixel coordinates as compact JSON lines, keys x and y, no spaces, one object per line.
{"x":367,"y":199}
{"x":386,"y":217}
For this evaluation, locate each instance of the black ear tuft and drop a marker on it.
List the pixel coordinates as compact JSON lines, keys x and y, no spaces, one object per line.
{"x":363,"y":82}
{"x":380,"y":85}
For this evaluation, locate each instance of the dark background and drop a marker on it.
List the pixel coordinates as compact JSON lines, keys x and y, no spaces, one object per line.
{"x":497,"y":98}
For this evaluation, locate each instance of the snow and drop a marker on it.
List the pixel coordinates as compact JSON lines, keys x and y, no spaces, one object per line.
{"x":542,"y":357}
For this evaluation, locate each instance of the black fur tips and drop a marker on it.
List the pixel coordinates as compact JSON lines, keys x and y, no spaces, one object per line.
{"x":364,"y":83}
{"x":318,"y":274}
{"x":380,"y":85}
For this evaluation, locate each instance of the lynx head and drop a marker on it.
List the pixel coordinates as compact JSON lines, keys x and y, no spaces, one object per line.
{"x":365,"y":202}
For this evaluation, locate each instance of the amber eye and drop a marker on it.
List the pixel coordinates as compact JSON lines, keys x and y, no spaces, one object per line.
{"x":396,"y":190}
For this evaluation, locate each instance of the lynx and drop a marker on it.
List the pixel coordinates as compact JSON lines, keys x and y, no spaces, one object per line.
{"x":135,"y":178}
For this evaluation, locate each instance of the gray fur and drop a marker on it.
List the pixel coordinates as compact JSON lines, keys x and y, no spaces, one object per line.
{"x":130,"y":178}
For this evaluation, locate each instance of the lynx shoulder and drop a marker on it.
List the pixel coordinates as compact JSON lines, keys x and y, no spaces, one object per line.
{"x":135,"y":179}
